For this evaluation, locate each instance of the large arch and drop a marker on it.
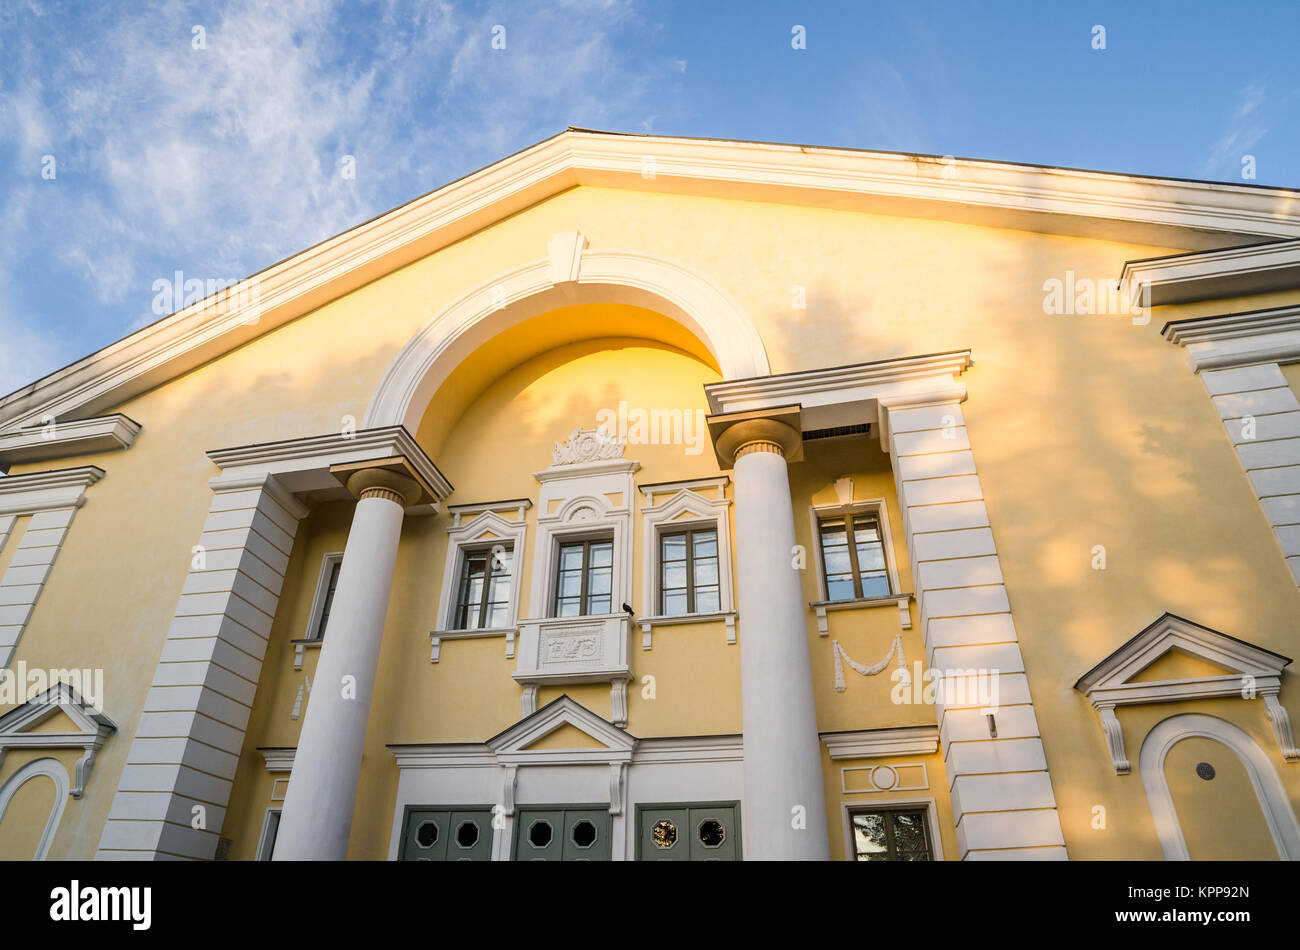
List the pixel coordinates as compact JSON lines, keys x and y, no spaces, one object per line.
{"x":1268,"y":787}
{"x":569,"y":275}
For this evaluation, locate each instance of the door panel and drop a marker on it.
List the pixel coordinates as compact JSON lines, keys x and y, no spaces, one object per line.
{"x":688,"y":832}
{"x":664,"y":834}
{"x":447,"y":834}
{"x":580,"y":833}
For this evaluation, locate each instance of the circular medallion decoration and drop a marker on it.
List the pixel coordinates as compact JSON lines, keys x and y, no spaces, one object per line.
{"x":1205,"y":770}
{"x":884,"y":777}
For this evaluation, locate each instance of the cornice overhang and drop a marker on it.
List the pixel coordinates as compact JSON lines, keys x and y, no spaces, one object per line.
{"x":44,"y":491}
{"x":1159,"y":212}
{"x":311,"y":466}
{"x":56,"y":440}
{"x":848,"y":395}
{"x":868,"y":744}
{"x":1238,"y":339}
{"x":1213,"y":274}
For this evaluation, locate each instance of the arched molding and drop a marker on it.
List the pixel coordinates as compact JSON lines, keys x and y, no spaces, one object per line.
{"x":1281,"y":820}
{"x":52,"y":769}
{"x":570,"y":275}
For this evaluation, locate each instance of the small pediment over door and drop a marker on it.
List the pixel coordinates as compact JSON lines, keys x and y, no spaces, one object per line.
{"x":1175,"y":659}
{"x":57,"y":719}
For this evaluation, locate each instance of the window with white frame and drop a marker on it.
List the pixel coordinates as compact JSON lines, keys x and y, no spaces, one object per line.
{"x":584,"y":578}
{"x":688,"y":571}
{"x":327,"y":583}
{"x":854,"y":551}
{"x":891,"y":833}
{"x":483,"y":598}
{"x":687,"y":548}
{"x":480,"y":585}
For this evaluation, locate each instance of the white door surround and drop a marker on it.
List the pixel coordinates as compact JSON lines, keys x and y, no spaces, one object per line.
{"x":1268,"y":787}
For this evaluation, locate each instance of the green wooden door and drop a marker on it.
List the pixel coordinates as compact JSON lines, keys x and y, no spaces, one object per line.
{"x":563,"y":833}
{"x":680,"y":831}
{"x":447,"y":834}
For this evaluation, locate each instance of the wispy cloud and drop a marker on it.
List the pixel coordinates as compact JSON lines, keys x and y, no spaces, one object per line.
{"x":217,"y":140}
{"x":1244,"y":132}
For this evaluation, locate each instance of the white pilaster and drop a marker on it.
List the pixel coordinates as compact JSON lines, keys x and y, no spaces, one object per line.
{"x":1002,"y":798}
{"x":182,"y":761}
{"x":784,"y":803}
{"x":51,"y":499}
{"x":317,"y":816}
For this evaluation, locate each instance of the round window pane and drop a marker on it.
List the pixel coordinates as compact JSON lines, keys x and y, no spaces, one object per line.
{"x":583,"y":833}
{"x":539,"y":835}
{"x":712,"y":834}
{"x":664,"y":834}
{"x":426,"y":836}
{"x":467,"y":834}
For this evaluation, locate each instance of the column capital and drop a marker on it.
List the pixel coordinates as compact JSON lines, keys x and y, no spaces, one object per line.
{"x":777,"y":430}
{"x":393,"y":478}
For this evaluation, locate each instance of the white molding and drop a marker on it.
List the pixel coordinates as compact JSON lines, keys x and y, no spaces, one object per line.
{"x":57,"y":439}
{"x":278,"y":759}
{"x":875,"y":743}
{"x":849,"y":395}
{"x":1231,"y":340}
{"x":91,"y":730}
{"x":658,"y":518}
{"x":1143,"y":210}
{"x":264,"y":847}
{"x":847,"y":809}
{"x":304,"y":465}
{"x":46,"y":491}
{"x":1255,"y":672}
{"x":511,"y":745}
{"x":1268,"y":787}
{"x":1206,"y":275}
{"x":54,"y":770}
{"x":610,"y":277}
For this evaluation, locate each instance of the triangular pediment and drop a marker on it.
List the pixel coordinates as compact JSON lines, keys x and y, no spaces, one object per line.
{"x":1175,"y":658}
{"x":57,"y":712}
{"x":564,"y":724}
{"x":1132,"y":209}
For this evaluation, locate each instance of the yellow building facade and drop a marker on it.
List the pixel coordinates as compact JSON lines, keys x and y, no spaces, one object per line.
{"x":639,"y":498}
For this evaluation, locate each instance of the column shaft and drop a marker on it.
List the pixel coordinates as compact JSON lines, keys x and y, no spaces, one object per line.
{"x":317,"y":818}
{"x":785,"y":805}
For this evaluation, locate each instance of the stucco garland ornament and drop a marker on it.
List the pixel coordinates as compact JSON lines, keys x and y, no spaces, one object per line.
{"x":841,"y":658}
{"x":587,"y":445}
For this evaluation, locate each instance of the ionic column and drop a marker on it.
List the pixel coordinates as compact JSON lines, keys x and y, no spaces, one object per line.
{"x":784,"y":802}
{"x":317,"y":816}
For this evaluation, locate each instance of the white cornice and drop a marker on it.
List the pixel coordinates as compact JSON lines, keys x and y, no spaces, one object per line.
{"x":303,"y":465}
{"x":1208,"y":275}
{"x":44,"y":491}
{"x":63,"y":439}
{"x":1238,"y":339}
{"x":1159,"y":212}
{"x":875,"y":743}
{"x":278,"y":760}
{"x":848,"y":395}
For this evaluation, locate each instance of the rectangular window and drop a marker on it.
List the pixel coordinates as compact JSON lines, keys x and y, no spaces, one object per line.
{"x":333,"y":565}
{"x":483,"y":601}
{"x":853,"y":556}
{"x":688,"y":572}
{"x":270,"y":826}
{"x":891,"y":835}
{"x":584,"y":578}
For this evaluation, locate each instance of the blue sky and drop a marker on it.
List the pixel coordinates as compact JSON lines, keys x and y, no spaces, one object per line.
{"x":221,"y":160}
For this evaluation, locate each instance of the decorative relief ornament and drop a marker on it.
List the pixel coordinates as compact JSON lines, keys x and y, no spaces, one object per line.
{"x":587,"y":445}
{"x":896,"y":650}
